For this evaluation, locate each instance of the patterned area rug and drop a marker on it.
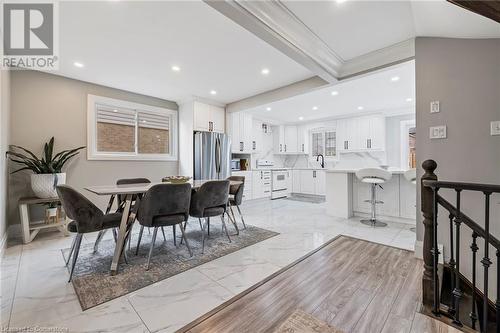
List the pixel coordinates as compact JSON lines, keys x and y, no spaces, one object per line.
{"x":94,"y":285}
{"x":301,"y":322}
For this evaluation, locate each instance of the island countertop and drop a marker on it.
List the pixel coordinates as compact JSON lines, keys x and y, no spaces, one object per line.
{"x":394,"y":171}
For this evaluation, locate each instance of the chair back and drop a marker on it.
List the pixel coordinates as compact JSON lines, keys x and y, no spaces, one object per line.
{"x":212,"y":194}
{"x":373,"y":175}
{"x":129,"y":181}
{"x":164,"y":200}
{"x":87,"y":216}
{"x":237,"y":190}
{"x":411,"y":175}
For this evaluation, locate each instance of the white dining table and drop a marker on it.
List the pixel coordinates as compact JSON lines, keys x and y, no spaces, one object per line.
{"x":128,"y":191}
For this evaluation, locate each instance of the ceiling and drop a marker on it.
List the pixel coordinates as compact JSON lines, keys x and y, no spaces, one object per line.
{"x":355,"y":28}
{"x":133,"y":45}
{"x":376,"y":92}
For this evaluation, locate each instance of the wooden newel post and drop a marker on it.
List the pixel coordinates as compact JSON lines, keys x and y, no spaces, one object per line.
{"x":427,"y":203}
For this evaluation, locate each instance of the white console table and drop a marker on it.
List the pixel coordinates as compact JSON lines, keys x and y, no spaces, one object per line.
{"x":31,"y":228}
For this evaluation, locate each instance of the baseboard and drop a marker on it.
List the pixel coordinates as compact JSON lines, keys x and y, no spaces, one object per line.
{"x":419,"y":251}
{"x":3,"y":243}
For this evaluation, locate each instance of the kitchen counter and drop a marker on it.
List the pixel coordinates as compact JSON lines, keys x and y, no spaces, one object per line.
{"x":346,"y":195}
{"x":394,"y":171}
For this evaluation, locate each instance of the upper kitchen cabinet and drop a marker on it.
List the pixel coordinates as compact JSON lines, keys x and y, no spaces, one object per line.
{"x":257,"y":136}
{"x":240,"y":130}
{"x":285,"y":140}
{"x":361,"y":134}
{"x":208,"y":118}
{"x":303,"y":140}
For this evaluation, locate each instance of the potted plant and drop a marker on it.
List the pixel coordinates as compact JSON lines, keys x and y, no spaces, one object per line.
{"x":47,"y":171}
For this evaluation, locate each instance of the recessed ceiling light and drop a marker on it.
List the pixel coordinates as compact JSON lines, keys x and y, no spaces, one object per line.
{"x":78,"y":64}
{"x":176,"y":68}
{"x":265,"y":71}
{"x":315,"y":108}
{"x":268,"y":108}
{"x":301,"y":118}
{"x":409,"y":99}
{"x":115,"y":110}
{"x":395,"y":78}
{"x":340,"y":1}
{"x":360,"y":108}
{"x":335,"y":93}
{"x":213,"y":92}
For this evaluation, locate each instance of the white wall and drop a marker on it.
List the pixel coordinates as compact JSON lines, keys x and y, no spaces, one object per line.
{"x":4,"y":146}
{"x":464,"y":75}
{"x":45,"y":105}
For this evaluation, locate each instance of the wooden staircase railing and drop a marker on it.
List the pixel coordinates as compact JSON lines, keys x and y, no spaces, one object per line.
{"x":431,"y":200}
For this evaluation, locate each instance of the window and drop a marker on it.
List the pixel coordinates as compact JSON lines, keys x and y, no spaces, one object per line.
{"x":120,"y":130}
{"x":324,"y":141}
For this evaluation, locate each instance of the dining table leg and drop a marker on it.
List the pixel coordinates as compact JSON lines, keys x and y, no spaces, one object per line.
{"x":101,"y":233}
{"x":122,"y":233}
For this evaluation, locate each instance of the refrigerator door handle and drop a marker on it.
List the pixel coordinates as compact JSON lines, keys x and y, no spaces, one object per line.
{"x":217,"y":157}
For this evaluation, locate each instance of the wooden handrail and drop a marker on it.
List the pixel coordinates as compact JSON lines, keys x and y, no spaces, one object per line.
{"x":488,"y":188}
{"x":468,"y":221}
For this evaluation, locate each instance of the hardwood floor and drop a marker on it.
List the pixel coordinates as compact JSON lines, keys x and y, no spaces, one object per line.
{"x":353,"y":285}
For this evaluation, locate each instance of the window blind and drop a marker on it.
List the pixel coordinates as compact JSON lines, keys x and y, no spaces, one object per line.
{"x":113,"y":115}
{"x":153,"y":120}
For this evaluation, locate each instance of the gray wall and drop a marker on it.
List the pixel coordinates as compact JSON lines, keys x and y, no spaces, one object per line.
{"x":464,"y":75}
{"x":45,"y":105}
{"x":4,"y":144}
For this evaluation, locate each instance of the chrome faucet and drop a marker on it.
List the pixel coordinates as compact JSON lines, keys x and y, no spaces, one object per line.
{"x":322,"y":160}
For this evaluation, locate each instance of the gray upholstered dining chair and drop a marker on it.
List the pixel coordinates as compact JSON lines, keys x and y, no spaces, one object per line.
{"x":236,"y":197}
{"x":208,"y":201}
{"x":164,"y":205}
{"x":86,"y":217}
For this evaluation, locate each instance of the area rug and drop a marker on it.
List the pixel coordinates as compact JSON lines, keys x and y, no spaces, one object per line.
{"x":301,"y":322}
{"x":94,"y":285}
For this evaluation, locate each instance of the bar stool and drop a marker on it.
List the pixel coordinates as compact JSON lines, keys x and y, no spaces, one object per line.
{"x":375,"y":177}
{"x":411,"y":176}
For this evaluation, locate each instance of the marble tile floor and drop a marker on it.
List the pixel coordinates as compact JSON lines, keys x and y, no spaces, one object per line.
{"x":35,"y":292}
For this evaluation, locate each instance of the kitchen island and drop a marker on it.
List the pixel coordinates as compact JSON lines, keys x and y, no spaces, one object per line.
{"x":346,"y":195}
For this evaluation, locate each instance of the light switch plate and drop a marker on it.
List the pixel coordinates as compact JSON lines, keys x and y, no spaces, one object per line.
{"x":437,"y":132}
{"x":495,"y":127}
{"x":435,"y":107}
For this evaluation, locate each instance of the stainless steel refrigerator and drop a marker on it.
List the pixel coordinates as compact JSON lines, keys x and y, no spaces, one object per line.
{"x":212,"y":155}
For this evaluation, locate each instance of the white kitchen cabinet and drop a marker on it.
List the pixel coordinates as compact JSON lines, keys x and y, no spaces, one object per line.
{"x":208,"y":118}
{"x":361,"y":134}
{"x":285,"y":139}
{"x":319,"y":182}
{"x":248,"y":185}
{"x":240,"y":131}
{"x":291,"y":142}
{"x":307,"y":182}
{"x":302,"y":140}
{"x":257,"y":136}
{"x":261,"y":184}
{"x":279,"y":139}
{"x":289,"y":182}
{"x":296,"y":181}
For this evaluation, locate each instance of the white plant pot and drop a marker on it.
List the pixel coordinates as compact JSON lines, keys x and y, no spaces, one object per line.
{"x":51,"y":212}
{"x":44,"y":185}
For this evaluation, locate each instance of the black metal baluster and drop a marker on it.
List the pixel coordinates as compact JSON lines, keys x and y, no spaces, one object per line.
{"x":451,"y":309}
{"x":497,"y":303}
{"x":435,"y":254}
{"x":486,"y":260}
{"x":457,"y":293}
{"x":474,"y":248}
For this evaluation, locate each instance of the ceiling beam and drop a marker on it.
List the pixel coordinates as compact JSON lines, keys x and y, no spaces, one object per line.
{"x":488,"y":8}
{"x":275,"y":24}
{"x":294,"y":89}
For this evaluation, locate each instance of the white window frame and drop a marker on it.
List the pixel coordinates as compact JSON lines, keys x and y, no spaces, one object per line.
{"x":322,"y":131}
{"x":94,"y":154}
